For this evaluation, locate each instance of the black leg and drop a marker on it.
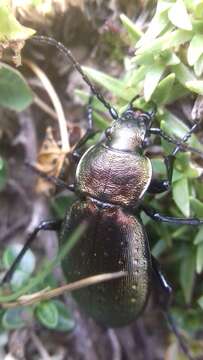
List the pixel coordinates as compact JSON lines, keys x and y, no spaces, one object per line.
{"x":187,"y":136}
{"x":171,"y":220}
{"x":158,"y":186}
{"x":164,"y":299}
{"x":178,"y":142}
{"x":164,"y":292}
{"x":50,"y":225}
{"x":90,"y":132}
{"x":53,"y":179}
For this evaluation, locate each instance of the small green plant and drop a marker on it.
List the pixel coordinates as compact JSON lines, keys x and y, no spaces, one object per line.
{"x":52,"y":314}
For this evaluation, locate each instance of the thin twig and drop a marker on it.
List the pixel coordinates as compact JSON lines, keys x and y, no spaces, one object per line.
{"x":48,"y":294}
{"x":56,"y":103}
{"x":40,"y":347}
{"x":46,"y":108}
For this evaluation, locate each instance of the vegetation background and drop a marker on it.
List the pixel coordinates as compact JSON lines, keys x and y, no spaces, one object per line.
{"x":154,"y":49}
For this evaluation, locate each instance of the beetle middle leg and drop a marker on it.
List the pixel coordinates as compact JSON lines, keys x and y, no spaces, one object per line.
{"x":49,"y":225}
{"x":164,"y":292}
{"x":169,"y":219}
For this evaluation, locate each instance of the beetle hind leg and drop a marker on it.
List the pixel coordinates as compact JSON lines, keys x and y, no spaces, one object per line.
{"x":49,"y":225}
{"x":164,"y":291}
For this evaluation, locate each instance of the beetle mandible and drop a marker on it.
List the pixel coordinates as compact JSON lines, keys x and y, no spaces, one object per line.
{"x":111,"y":180}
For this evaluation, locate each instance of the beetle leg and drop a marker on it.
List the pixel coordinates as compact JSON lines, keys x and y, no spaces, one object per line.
{"x":49,"y":225}
{"x":166,"y":289}
{"x":178,"y":142}
{"x":158,"y":186}
{"x":53,"y":179}
{"x":90,"y":132}
{"x":164,"y":300}
{"x":171,"y":220}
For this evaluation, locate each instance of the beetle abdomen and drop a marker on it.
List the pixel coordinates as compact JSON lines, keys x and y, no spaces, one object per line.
{"x":114,"y":241}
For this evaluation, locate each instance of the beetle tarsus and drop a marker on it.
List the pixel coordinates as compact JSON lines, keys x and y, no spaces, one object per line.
{"x":174,"y":329}
{"x":164,"y":301}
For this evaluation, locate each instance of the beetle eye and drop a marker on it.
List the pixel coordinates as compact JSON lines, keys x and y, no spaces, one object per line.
{"x":108,"y":133}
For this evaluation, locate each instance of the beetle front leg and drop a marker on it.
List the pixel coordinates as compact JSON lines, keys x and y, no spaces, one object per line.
{"x":158,"y":186}
{"x":90,"y":132}
{"x":164,"y":292}
{"x":49,"y":225}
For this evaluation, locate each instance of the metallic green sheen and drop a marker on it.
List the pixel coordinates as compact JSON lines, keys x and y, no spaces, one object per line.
{"x":113,"y":241}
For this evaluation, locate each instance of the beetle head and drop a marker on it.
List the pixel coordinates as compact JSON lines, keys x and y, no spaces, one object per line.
{"x":129,"y":131}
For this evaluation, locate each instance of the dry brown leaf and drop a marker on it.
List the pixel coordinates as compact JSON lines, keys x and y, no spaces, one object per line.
{"x":50,"y":161}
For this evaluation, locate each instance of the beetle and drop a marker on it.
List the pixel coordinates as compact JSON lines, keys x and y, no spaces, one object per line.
{"x":111,"y":180}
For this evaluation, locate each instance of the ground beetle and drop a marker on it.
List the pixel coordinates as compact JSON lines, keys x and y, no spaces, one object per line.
{"x":111,"y":180}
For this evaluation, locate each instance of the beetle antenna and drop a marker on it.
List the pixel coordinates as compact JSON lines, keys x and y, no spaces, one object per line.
{"x":177,"y":335}
{"x":69,"y":55}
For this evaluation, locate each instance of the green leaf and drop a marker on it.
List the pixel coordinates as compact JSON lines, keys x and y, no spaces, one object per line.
{"x":169,"y":40}
{"x":199,"y":237}
{"x":181,"y":196}
{"x":183,"y":74}
{"x":200,"y":302}
{"x":48,"y":267}
{"x":178,"y":91}
{"x":159,"y":248}
{"x":10,"y":28}
{"x":61,"y":203}
{"x":179,"y":17}
{"x":133,"y":31}
{"x":197,"y":207}
{"x":198,"y":8}
{"x":27,"y":263}
{"x":114,"y":85}
{"x":163,"y":89}
{"x":16,"y":318}
{"x":137,"y":76}
{"x":169,"y":58}
{"x":3,"y":174}
{"x":152,"y":78}
{"x":198,"y":67}
{"x":195,"y":86}
{"x":199,"y":258}
{"x":47,"y":313}
{"x":187,"y":276}
{"x":195,"y":49}
{"x":175,"y":127}
{"x":66,"y":321}
{"x":158,"y":167}
{"x":15,"y":94}
{"x":19,"y":278}
{"x":156,"y":25}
